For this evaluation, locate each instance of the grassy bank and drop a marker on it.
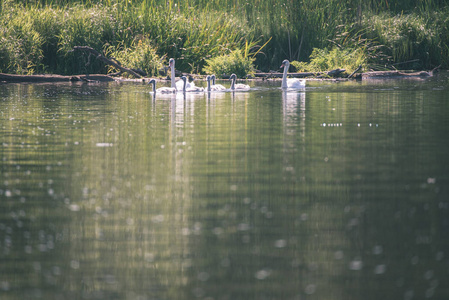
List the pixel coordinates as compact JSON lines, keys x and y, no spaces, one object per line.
{"x":38,"y":36}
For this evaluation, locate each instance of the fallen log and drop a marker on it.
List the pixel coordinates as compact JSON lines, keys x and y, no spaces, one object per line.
{"x":332,"y":73}
{"x":92,"y":78}
{"x":395,"y":74}
{"x":335,"y":72}
{"x":106,"y":60}
{"x":279,"y":75}
{"x":33,"y":78}
{"x":53,"y":78}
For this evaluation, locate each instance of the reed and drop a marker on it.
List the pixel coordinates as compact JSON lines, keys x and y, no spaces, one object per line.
{"x":21,"y":45}
{"x":38,"y":35}
{"x":408,"y":37}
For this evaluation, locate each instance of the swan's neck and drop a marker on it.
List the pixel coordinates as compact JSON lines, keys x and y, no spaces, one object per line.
{"x":173,"y":79}
{"x":208,"y":84}
{"x":154,"y":86}
{"x":233,"y":83}
{"x":284,"y":77}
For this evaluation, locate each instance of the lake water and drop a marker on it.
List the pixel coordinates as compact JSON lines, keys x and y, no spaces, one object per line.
{"x":340,"y":191}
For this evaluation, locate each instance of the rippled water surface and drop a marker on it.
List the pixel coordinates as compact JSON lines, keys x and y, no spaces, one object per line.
{"x":336,"y":192}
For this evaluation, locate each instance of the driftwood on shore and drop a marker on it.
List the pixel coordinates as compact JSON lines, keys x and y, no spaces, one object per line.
{"x":395,"y":74}
{"x":54,"y":78}
{"x":337,"y":72}
{"x":332,"y":73}
{"x":105,"y":78}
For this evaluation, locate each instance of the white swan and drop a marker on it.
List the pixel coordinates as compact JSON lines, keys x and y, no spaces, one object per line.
{"x":238,"y":86}
{"x":291,"y":83}
{"x":162,"y":90}
{"x":214,"y":88}
{"x":191,"y":88}
{"x":177,"y":84}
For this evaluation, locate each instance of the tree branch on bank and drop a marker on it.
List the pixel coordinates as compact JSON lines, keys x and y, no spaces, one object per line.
{"x":106,"y":60}
{"x":352,"y":74}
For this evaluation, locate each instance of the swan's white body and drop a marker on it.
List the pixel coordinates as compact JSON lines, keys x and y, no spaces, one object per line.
{"x":179,"y":85}
{"x":188,"y":85}
{"x":162,"y":90}
{"x":214,"y":88}
{"x":166,"y":90}
{"x":238,"y":86}
{"x":190,"y":89}
{"x":291,"y":83}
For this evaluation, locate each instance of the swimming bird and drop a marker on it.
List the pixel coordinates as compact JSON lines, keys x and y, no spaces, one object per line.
{"x":177,"y":84}
{"x":162,"y":90}
{"x":213,"y":86}
{"x":291,"y":83}
{"x":191,"y":88}
{"x":238,"y":86}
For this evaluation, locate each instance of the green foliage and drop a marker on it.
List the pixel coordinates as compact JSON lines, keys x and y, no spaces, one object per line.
{"x":190,"y":36}
{"x":193,"y":36}
{"x":49,"y":26}
{"x":325,"y":60}
{"x":234,"y":62}
{"x":141,"y":55}
{"x":353,"y":42}
{"x":440,"y":53}
{"x":20,"y":43}
{"x":92,"y":27}
{"x":38,"y":35}
{"x":408,"y":37}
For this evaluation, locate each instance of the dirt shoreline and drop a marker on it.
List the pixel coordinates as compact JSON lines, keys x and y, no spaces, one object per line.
{"x":11,"y":78}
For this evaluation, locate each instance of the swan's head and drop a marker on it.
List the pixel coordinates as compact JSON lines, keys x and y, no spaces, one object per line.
{"x":233,"y":77}
{"x":208,"y":78}
{"x":285,"y":64}
{"x":152,"y":81}
{"x":171,"y":62}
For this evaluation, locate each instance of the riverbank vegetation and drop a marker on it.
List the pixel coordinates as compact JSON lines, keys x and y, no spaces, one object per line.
{"x":37,"y":36}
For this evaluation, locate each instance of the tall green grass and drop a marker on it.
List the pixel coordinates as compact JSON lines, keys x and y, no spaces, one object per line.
{"x":189,"y":35}
{"x":414,"y":40}
{"x":38,"y":35}
{"x":20,"y":43}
